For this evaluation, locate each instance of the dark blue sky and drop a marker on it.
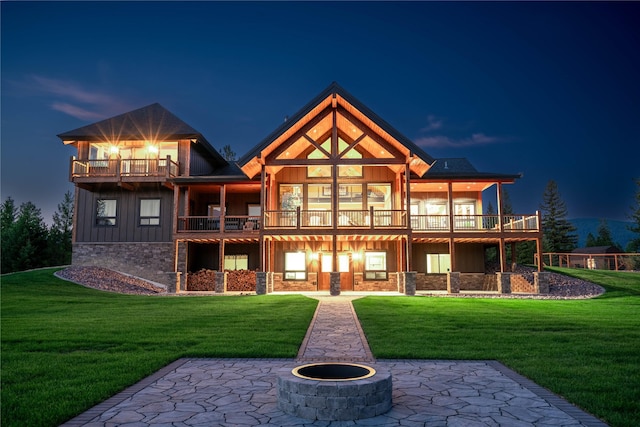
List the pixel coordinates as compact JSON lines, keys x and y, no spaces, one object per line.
{"x":547,"y":89}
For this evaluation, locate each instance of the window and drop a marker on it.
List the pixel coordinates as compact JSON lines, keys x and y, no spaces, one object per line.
{"x":236,"y":262}
{"x":150,"y":212}
{"x":438,"y":263}
{"x":295,"y":266}
{"x":106,"y":210}
{"x":375,"y":266}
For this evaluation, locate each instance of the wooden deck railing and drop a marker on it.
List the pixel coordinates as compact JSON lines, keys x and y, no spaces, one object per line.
{"x":218,"y":224}
{"x":358,"y":220}
{"x":124,"y":168}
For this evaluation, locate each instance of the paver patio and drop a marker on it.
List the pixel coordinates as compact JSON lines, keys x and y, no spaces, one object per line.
{"x":242,"y":392}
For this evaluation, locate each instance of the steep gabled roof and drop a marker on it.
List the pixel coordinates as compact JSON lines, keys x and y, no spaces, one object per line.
{"x":150,"y":123}
{"x":420,"y":160}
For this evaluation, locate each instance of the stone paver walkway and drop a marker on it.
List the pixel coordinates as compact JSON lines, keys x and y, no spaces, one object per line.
{"x":242,"y":392}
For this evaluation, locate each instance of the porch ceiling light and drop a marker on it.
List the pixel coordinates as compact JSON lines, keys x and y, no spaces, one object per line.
{"x":114,"y":149}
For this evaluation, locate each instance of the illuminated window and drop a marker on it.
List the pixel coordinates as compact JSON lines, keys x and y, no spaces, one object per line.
{"x":295,"y":266}
{"x":375,"y":266}
{"x":438,"y":263}
{"x":150,"y":212}
{"x":106,"y":210}
{"x":236,"y":262}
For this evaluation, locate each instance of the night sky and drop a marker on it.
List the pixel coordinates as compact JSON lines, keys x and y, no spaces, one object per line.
{"x":547,"y":89}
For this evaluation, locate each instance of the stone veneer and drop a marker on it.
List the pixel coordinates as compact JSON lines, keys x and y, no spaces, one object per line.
{"x":150,"y":261}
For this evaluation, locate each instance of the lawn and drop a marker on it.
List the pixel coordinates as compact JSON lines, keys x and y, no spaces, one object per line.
{"x":587,"y":351}
{"x":66,"y":348}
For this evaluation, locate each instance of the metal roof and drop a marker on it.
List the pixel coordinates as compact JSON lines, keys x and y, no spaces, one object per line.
{"x":150,"y":123}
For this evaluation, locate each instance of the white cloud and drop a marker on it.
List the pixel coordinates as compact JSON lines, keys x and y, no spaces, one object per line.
{"x":475,"y":139}
{"x":75,"y":111}
{"x":433,"y":123}
{"x":75,"y":100}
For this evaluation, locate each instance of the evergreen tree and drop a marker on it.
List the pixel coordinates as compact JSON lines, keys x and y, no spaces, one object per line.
{"x":634,"y":216}
{"x":604,"y":235}
{"x":559,"y":234}
{"x":591,"y":241}
{"x":30,"y":237}
{"x":228,"y":153}
{"x":8,"y":216}
{"x":507,"y":209}
{"x":59,"y":242}
{"x":490,"y":210}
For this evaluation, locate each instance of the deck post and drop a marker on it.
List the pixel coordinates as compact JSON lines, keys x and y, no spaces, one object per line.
{"x":453,"y":282}
{"x":335,"y":283}
{"x":261,"y":283}
{"x":504,"y":282}
{"x":410,"y":282}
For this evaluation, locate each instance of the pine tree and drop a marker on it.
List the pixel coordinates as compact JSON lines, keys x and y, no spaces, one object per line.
{"x":8,"y":216}
{"x":228,"y":153}
{"x":559,"y":233}
{"x":634,"y":216}
{"x":604,"y":235}
{"x":30,"y":238}
{"x":507,"y":209}
{"x":591,"y":241}
{"x":59,"y":242}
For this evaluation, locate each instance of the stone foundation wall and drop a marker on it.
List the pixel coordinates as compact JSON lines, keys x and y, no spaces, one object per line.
{"x":151,"y":261}
{"x":431,"y":282}
{"x":359,"y":284}
{"x":294,"y":285}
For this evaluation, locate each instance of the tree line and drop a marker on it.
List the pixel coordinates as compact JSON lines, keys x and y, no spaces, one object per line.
{"x":26,"y":240}
{"x":28,"y":243}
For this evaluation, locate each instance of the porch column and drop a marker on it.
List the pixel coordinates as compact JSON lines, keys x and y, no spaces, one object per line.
{"x":410,"y":282}
{"x":261,"y":283}
{"x":220,"y":284}
{"x":221,"y":255}
{"x":541,"y":282}
{"x":453,"y":282}
{"x":223,"y":211}
{"x":335,"y":283}
{"x":452,"y":254}
{"x":504,"y":282}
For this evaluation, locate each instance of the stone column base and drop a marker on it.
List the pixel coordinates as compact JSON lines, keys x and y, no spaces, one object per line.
{"x":453,"y":282}
{"x":335,"y":283}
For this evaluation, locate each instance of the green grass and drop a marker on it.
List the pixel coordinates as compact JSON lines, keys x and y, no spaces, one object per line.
{"x":66,"y":348}
{"x":587,"y":351}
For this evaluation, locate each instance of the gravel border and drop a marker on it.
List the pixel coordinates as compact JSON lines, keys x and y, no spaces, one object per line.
{"x":104,"y":279}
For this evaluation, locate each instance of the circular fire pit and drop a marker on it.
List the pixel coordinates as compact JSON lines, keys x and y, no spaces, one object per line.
{"x":334,"y":391}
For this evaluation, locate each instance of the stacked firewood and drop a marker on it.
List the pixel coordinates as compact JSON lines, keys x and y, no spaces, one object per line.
{"x":203,"y":280}
{"x":241,"y":280}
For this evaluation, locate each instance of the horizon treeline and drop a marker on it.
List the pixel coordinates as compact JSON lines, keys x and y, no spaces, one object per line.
{"x":28,"y":243}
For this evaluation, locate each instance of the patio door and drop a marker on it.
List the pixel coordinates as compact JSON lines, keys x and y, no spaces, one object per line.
{"x":345,"y":268}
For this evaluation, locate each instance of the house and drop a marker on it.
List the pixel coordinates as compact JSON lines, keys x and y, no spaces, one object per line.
{"x":335,"y":199}
{"x":596,"y":257}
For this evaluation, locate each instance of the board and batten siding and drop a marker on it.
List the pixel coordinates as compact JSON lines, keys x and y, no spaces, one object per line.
{"x":127,"y":228}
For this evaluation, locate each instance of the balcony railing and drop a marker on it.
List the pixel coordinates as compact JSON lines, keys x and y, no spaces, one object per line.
{"x":229,"y":223}
{"x":359,"y":219}
{"x":303,"y":219}
{"x":124,"y":168}
{"x":485,"y":223}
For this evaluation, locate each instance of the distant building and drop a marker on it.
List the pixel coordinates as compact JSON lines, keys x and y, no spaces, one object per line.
{"x":594,"y":257}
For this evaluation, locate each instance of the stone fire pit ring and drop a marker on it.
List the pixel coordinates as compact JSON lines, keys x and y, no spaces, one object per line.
{"x":334,"y":391}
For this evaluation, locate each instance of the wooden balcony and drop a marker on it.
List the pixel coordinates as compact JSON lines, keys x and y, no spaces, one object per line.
{"x":123,"y":171}
{"x":318,"y":222}
{"x":219,"y":224}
